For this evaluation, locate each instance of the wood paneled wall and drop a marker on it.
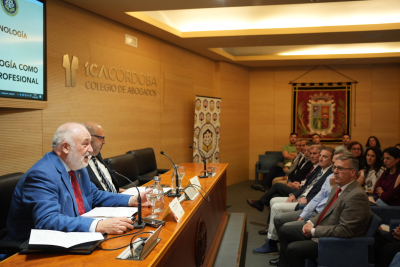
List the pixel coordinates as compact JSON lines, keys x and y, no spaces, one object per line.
{"x":131,"y":121}
{"x":376,"y":100}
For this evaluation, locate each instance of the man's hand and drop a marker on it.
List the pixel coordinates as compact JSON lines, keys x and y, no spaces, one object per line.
{"x":284,"y":178}
{"x":291,"y":199}
{"x":396,"y":233}
{"x":302,"y":201}
{"x":300,"y":219}
{"x":296,"y":185}
{"x":121,"y":190}
{"x":114,"y":226}
{"x":332,"y":181}
{"x":307,"y":229}
{"x":145,"y":202}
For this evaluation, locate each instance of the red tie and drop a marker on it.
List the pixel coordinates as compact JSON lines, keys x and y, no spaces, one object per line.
{"x":308,"y":174}
{"x":330,"y":204}
{"x":77,"y":193}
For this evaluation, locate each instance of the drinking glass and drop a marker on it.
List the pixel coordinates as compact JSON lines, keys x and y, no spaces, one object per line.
{"x":152,"y":195}
{"x":182,"y":171}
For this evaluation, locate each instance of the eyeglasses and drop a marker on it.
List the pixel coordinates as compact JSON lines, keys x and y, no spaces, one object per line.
{"x":353,"y":148}
{"x":340,"y":169}
{"x":100,"y":137}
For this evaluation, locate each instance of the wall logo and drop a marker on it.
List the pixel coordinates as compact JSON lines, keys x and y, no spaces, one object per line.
{"x":70,"y":70}
{"x":10,"y":7}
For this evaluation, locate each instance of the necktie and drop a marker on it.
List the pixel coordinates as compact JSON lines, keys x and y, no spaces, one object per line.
{"x":308,"y":174}
{"x":330,"y":204}
{"x":109,"y":186}
{"x":77,"y":193}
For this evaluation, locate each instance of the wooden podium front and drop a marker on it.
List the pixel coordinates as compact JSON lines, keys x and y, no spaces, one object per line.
{"x":194,"y":241}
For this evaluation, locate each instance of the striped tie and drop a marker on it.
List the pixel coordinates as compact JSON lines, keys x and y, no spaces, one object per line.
{"x":107,"y":183}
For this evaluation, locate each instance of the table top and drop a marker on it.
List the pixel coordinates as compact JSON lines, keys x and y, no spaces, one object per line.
{"x":168,"y":233}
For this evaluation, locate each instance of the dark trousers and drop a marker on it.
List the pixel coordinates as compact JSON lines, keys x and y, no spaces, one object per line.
{"x":295,"y":246}
{"x":386,"y":247}
{"x":274,"y":172}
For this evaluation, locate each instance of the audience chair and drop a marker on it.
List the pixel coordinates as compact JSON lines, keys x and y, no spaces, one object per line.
{"x":265,"y":162}
{"x":7,"y":185}
{"x":386,"y":213}
{"x":347,"y":252}
{"x":125,"y":165}
{"x":146,"y":164}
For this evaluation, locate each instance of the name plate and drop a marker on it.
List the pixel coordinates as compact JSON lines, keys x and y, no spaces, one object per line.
{"x":176,"y":209}
{"x":193,"y":191}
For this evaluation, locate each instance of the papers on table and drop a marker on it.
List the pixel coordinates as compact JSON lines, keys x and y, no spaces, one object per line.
{"x":110,"y":212}
{"x":61,"y":239}
{"x":133,"y":192}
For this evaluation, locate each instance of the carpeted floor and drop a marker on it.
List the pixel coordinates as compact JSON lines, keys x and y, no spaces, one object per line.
{"x":236,"y":201}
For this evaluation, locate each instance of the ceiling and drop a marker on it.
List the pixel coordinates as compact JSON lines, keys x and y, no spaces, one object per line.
{"x":258,"y":33}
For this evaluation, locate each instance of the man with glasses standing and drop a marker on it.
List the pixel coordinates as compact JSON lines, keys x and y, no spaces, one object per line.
{"x":99,"y":173}
{"x":347,"y":214}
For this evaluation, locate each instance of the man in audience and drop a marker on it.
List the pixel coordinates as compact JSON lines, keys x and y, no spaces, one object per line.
{"x":313,"y":208}
{"x":303,"y":196}
{"x":55,"y":191}
{"x":346,"y":214}
{"x":289,"y":152}
{"x":346,"y":140}
{"x":316,"y":138}
{"x":99,"y":173}
{"x":308,"y":169}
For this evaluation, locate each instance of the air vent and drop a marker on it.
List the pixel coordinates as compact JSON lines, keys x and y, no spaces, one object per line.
{"x":130,"y":40}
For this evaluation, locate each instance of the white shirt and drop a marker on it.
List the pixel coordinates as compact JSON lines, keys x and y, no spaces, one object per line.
{"x":104,"y":170}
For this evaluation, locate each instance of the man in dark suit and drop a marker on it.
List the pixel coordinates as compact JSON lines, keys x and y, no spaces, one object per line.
{"x":55,"y":191}
{"x":346,"y":214}
{"x":99,"y":173}
{"x":311,"y":188}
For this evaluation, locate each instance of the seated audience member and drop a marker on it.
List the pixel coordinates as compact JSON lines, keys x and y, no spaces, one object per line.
{"x":316,"y":139}
{"x":347,"y":214}
{"x":373,"y":142}
{"x":289,"y":152}
{"x":357,"y":150}
{"x":281,"y":205}
{"x":387,"y":246}
{"x":98,"y":170}
{"x":55,"y":191}
{"x":387,"y":187}
{"x":283,"y":179}
{"x":303,"y":171}
{"x":346,"y":141}
{"x":372,"y":171}
{"x":313,"y":208}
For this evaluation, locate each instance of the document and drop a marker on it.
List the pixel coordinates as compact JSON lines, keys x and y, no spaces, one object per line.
{"x":62,"y":239}
{"x":111,"y":212}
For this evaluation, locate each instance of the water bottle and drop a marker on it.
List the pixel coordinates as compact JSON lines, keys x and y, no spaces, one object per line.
{"x":159,"y":206}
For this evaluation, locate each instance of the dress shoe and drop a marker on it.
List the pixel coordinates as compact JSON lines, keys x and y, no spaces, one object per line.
{"x":259,"y":187}
{"x":267,"y":249}
{"x":274,"y":262}
{"x":263,"y":232}
{"x":254,"y":204}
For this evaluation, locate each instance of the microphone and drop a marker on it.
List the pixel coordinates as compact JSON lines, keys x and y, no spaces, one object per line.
{"x":139,"y":224}
{"x":205,"y":164}
{"x":177,"y":194}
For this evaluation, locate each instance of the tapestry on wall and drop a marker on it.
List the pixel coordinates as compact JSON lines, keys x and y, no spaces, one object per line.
{"x":207,"y":128}
{"x":323,"y":109}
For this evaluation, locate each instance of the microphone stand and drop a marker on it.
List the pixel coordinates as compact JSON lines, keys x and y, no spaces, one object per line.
{"x":177,"y":193}
{"x":205,"y":164}
{"x":139,"y":224}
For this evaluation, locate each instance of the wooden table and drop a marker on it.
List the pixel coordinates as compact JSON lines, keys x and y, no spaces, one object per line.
{"x":195,"y":237}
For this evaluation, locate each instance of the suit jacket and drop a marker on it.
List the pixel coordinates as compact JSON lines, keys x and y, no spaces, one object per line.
{"x":299,"y":174}
{"x":317,"y":187}
{"x":94,"y":178}
{"x":44,"y":199}
{"x":348,"y":216}
{"x":295,"y":162}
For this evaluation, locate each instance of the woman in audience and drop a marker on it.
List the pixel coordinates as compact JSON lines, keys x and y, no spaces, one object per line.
{"x":357,"y":150}
{"x":372,"y":171}
{"x":387,"y":187}
{"x":373,"y":141}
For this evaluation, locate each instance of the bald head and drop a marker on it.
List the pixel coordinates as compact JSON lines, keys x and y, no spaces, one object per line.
{"x":71,"y":143}
{"x":98,"y":137}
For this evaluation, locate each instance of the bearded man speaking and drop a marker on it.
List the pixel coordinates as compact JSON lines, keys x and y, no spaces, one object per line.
{"x":57,"y":190}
